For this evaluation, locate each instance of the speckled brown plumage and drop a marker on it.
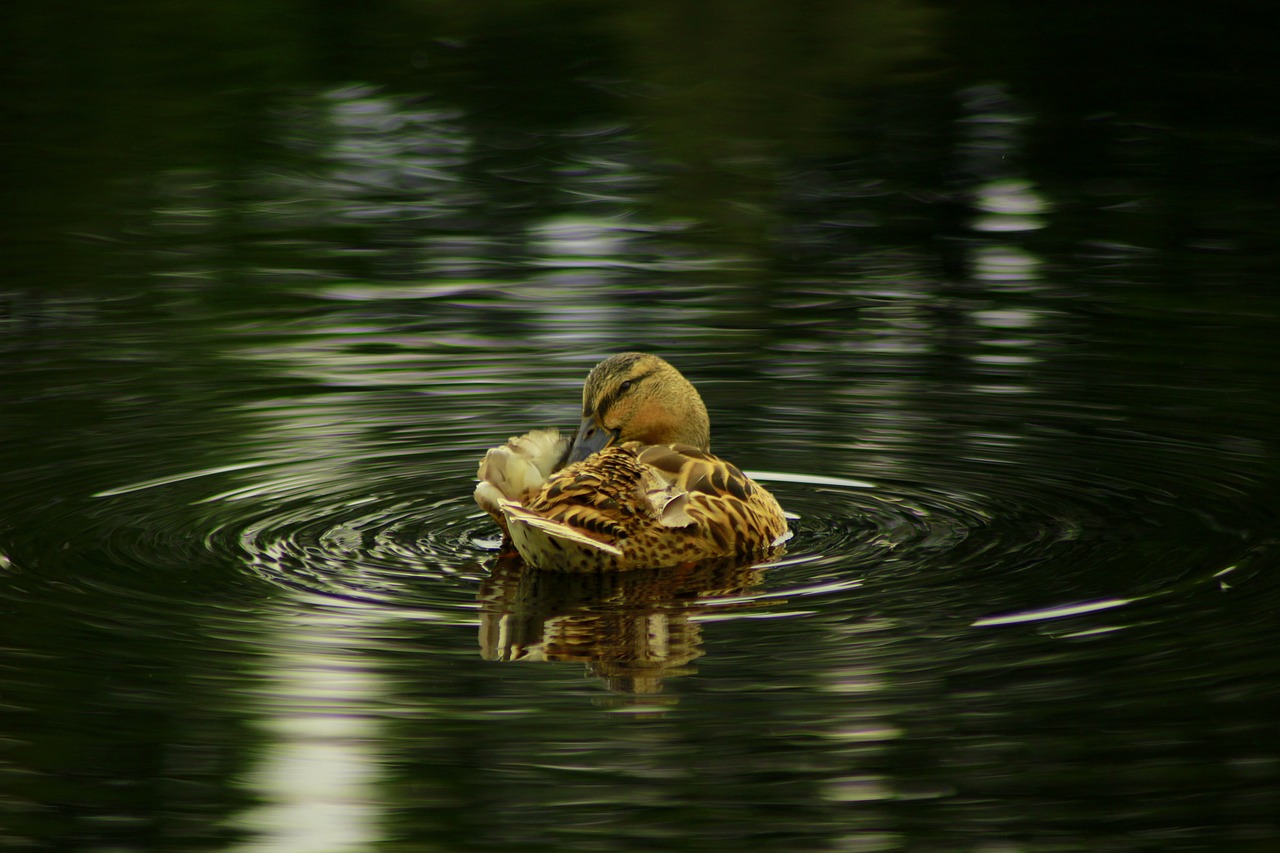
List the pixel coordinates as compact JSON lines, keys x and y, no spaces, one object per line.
{"x":635,"y":503}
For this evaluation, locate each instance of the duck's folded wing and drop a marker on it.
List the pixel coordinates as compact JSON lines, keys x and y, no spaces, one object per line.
{"x":601,"y":495}
{"x":527,"y":525}
{"x":692,"y":471}
{"x":725,"y":503}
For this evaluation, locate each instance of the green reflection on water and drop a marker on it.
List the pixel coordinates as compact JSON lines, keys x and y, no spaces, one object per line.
{"x":276,"y":278}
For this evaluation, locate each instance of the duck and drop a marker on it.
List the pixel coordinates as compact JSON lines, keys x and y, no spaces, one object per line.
{"x":636,"y":487}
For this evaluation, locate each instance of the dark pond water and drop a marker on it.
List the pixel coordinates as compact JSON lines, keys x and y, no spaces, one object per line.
{"x":985,"y":293}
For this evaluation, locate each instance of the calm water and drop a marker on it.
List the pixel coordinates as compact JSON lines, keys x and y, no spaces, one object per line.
{"x":985,"y":296}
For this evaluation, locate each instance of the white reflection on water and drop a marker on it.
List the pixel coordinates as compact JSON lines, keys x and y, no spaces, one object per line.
{"x":316,"y":778}
{"x":1057,"y":612}
{"x":809,"y":479}
{"x":1008,"y":207}
{"x":177,"y":478}
{"x":993,"y":125}
{"x":566,"y":238}
{"x":1011,"y":197}
{"x":1009,"y":318}
{"x":1004,"y":266}
{"x":862,"y":734}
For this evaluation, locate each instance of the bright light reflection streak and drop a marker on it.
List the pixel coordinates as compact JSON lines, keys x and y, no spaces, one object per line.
{"x":702,"y":618}
{"x":808,"y":479}
{"x":1048,"y":613}
{"x":315,"y":783}
{"x":178,"y":478}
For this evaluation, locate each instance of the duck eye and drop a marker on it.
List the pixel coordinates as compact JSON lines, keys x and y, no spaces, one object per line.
{"x":627,"y":386}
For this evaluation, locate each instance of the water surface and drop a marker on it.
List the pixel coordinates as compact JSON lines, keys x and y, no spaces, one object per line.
{"x":999,"y":335}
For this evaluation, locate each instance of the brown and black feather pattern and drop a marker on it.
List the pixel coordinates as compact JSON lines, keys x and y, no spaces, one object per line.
{"x":655,"y":498}
{"x":657,"y":505}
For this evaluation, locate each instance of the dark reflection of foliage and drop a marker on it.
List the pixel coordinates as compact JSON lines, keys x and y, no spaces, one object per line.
{"x":116,"y":739}
{"x":730,"y":105}
{"x":1150,"y":114}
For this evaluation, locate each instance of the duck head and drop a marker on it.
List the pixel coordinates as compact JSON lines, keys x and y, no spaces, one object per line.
{"x":635,"y":396}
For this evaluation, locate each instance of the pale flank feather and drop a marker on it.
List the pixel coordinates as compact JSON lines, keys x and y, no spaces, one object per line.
{"x":530,"y":531}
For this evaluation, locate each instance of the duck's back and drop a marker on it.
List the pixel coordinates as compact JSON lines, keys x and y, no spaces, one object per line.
{"x":640,"y":506}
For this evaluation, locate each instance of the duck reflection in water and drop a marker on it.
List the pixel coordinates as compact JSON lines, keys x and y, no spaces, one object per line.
{"x":638,"y":486}
{"x":631,"y":629}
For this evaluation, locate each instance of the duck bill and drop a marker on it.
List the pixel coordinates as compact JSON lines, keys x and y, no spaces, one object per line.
{"x":592,"y":437}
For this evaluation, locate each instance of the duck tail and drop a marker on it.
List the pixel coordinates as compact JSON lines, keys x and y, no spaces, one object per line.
{"x":515,"y":471}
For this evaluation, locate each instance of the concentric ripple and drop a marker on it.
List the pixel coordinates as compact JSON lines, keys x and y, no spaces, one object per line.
{"x":974,"y":550}
{"x":374,"y":541}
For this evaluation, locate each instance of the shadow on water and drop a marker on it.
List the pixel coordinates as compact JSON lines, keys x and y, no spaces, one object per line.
{"x":997,"y":330}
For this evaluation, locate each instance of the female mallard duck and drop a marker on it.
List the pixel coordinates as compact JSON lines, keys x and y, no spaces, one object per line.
{"x":637,"y":488}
